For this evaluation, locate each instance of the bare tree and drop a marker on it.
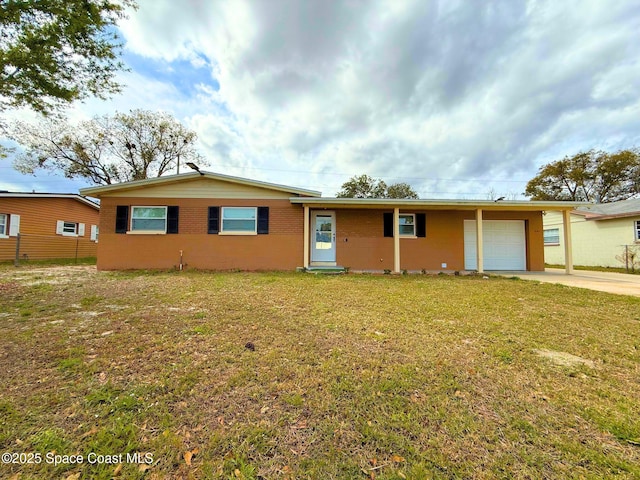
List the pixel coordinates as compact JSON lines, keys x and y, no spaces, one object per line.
{"x":108,"y":149}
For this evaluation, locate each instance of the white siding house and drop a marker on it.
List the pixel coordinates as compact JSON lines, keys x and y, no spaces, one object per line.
{"x":600,"y":234}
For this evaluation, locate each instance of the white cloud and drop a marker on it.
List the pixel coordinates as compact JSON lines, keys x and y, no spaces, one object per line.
{"x":454,"y":97}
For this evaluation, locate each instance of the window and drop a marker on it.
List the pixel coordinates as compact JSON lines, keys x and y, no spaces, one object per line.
{"x":407,"y":225}
{"x":3,"y":224}
{"x":411,"y":225}
{"x":239,"y":220}
{"x":149,"y":219}
{"x":637,"y":230}
{"x":552,"y":236}
{"x":69,"y":228}
{"x":95,"y":232}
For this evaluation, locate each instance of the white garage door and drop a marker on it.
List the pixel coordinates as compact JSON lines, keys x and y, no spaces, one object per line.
{"x":504,"y":245}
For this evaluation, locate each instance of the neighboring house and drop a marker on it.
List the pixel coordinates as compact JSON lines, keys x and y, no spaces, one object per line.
{"x":212,"y":221}
{"x":50,"y":225}
{"x":600,"y":234}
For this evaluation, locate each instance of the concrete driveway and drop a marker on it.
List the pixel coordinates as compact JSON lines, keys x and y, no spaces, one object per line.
{"x":620,"y":283}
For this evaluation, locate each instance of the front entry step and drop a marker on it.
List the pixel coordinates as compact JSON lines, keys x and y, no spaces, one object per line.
{"x":326,"y":270}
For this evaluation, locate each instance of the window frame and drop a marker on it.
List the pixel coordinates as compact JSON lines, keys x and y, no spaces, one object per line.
{"x":66,"y":224}
{"x":226,"y":231}
{"x":636,"y":224}
{"x":143,"y":231}
{"x":549,"y":243}
{"x":400,"y":225}
{"x":4,"y":233}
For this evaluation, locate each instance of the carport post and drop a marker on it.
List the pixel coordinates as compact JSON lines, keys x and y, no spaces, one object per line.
{"x":479,"y":241}
{"x":396,"y":240}
{"x":568,"y":247}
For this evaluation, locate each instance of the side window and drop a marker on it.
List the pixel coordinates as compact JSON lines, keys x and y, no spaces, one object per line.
{"x":69,"y":229}
{"x":4,"y":226}
{"x":552,"y":236}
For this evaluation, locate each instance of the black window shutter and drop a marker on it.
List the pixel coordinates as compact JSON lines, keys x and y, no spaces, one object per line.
{"x":122,"y":218}
{"x":172,"y":219}
{"x":421,"y":225}
{"x":263,"y":220}
{"x":388,"y":224}
{"x":214,"y":219}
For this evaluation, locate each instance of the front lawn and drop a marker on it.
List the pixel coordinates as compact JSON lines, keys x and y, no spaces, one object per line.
{"x":274,"y":375}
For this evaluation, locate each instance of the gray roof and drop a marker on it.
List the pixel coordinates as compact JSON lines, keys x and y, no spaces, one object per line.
{"x":630,"y":207}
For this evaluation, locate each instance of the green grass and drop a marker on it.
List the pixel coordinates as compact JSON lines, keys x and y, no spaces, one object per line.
{"x":352,"y":376}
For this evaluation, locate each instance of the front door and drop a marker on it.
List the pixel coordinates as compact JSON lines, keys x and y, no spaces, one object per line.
{"x":323,"y":240}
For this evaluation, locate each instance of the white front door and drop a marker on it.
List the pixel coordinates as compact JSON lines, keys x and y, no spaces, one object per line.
{"x":323,"y":237}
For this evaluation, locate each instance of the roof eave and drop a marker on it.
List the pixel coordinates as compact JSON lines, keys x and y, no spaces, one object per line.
{"x":331,"y":202}
{"x":136,"y":184}
{"x":613,"y":216}
{"x":72,"y":196}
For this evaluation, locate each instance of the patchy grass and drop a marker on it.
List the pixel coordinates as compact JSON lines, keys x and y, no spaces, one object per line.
{"x":49,"y":262}
{"x":351,"y":376}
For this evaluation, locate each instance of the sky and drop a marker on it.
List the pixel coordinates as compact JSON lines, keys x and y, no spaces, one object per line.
{"x":460,"y":99}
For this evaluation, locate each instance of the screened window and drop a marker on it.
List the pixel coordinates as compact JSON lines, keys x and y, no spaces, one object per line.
{"x":3,"y":224}
{"x":149,"y":219}
{"x":239,"y":219}
{"x":552,"y":236}
{"x":637,"y":224}
{"x":407,"y":225}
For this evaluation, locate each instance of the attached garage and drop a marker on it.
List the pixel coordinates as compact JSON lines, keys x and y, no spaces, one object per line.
{"x":504,"y":245}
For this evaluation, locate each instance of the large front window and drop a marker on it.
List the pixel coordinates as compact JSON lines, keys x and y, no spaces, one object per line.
{"x":149,"y":219}
{"x":637,"y":224}
{"x":239,"y":219}
{"x":3,"y":224}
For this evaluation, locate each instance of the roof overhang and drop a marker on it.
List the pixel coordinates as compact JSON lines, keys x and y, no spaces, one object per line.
{"x":386,"y":203}
{"x":597,"y":217}
{"x":185,"y":177}
{"x":73,"y":196}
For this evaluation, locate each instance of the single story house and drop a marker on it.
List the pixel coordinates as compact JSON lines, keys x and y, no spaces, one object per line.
{"x":212,"y":221}
{"x":601,"y":233}
{"x":50,"y":225}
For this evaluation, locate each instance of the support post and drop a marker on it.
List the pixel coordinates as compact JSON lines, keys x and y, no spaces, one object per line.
{"x":307,"y":221}
{"x":568,"y":246}
{"x":16,"y":261}
{"x":479,"y":242}
{"x":396,"y":240}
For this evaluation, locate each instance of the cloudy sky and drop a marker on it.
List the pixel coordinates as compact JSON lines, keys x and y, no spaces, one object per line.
{"x":457,"y":98}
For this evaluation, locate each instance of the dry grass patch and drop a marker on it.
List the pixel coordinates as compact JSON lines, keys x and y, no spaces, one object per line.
{"x":351,"y":376}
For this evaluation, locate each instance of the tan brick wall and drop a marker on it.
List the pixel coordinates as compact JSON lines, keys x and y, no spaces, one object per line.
{"x":280,"y":249}
{"x":361,"y":245}
{"x":359,"y":236}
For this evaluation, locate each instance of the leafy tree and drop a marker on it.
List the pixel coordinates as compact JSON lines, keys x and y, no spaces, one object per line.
{"x":364,"y":186}
{"x":56,"y":51}
{"x":107,"y":149}
{"x":592,"y":176}
{"x":401,"y":190}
